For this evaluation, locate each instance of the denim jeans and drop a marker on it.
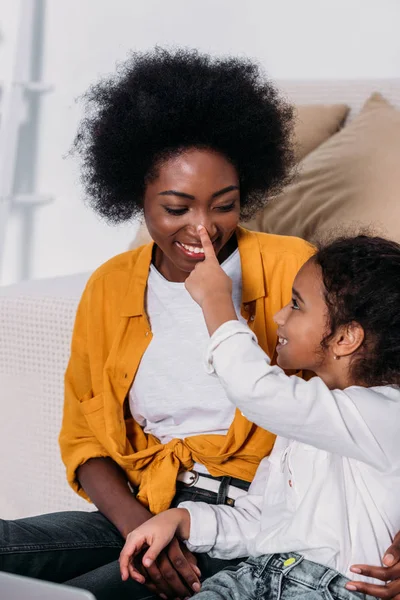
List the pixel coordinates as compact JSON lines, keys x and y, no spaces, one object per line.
{"x":81,"y":549}
{"x":277,"y":577}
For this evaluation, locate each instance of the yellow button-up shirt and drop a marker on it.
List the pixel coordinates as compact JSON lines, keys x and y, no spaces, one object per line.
{"x":111,"y":334}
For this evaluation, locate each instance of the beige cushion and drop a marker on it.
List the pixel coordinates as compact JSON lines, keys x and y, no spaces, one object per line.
{"x":314,"y":124}
{"x":352,"y":181}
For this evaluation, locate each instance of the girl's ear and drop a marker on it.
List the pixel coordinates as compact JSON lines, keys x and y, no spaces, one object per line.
{"x":348,"y":340}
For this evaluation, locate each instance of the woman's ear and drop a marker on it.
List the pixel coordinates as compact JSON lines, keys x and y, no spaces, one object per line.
{"x":348,"y":339}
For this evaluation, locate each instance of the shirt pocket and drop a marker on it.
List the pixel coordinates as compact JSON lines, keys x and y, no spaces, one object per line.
{"x":90,"y":404}
{"x":290,"y":474}
{"x":92,"y":408}
{"x":305,"y":464}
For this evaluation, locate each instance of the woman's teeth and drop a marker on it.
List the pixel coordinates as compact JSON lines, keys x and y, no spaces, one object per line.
{"x":282,"y":341}
{"x":194,"y":249}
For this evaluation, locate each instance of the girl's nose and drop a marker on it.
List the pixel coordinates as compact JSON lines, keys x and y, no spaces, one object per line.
{"x":281,"y":316}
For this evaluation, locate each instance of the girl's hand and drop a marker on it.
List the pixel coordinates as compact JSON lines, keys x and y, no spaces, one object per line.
{"x":390,"y":574}
{"x":208,"y":279}
{"x":151,"y":538}
{"x":210,"y":287}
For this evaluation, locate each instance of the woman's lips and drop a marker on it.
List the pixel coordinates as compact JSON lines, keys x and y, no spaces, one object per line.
{"x":195,"y":252}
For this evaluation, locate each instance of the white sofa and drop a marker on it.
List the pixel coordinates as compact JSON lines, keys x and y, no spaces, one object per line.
{"x":35,"y":329}
{"x":36,"y":319}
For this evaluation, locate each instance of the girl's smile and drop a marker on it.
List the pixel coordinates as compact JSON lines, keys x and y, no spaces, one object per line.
{"x":302,"y":323}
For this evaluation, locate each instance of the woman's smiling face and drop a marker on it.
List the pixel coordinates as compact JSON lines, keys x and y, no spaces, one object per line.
{"x":195,"y":187}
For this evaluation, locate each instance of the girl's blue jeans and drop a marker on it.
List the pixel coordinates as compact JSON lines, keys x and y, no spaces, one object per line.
{"x":277,"y":577}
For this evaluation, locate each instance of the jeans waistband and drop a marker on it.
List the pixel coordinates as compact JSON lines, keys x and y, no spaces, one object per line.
{"x":310,"y":573}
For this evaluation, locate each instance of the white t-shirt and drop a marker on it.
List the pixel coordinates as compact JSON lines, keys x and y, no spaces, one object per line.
{"x":330,"y":488}
{"x":172,"y":396}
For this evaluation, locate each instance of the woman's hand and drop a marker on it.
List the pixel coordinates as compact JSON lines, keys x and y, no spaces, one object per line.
{"x":210,"y":287}
{"x":153,"y":556}
{"x":390,"y":573}
{"x":174,"y":573}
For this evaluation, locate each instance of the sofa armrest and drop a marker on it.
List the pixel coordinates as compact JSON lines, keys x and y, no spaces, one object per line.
{"x":36,"y":319}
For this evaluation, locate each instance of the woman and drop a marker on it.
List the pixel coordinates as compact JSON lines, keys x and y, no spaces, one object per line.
{"x":184,"y":140}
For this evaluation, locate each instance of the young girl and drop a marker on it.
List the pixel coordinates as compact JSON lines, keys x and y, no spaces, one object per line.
{"x":328,"y":494}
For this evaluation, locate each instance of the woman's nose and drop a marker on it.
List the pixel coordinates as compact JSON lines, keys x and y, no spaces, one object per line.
{"x":207,"y":222}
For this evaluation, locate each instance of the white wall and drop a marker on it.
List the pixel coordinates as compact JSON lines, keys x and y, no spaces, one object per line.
{"x":85,"y":38}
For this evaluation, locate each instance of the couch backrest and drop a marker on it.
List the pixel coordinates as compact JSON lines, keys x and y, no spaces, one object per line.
{"x":354,"y":93}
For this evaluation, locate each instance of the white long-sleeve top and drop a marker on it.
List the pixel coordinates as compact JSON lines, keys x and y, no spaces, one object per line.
{"x":330,"y":490}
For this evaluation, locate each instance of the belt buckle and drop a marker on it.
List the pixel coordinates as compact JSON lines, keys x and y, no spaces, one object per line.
{"x":195,"y":477}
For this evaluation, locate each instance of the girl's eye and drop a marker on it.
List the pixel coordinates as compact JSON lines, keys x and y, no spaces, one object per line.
{"x":226,"y":207}
{"x":295,"y":305}
{"x":177,"y":212}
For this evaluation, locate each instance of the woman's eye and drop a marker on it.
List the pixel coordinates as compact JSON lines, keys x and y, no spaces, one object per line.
{"x":295,"y":304}
{"x":225,"y":207}
{"x":175,"y":211}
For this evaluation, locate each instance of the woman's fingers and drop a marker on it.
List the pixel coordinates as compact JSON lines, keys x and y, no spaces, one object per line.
{"x":391,"y":591}
{"x":382,"y":573}
{"x":171,"y":576}
{"x":175,"y":573}
{"x":153,"y":556}
{"x":181,"y":564}
{"x":392,"y":554}
{"x":389,"y":572}
{"x":192,"y":560}
{"x":155,"y":579}
{"x":153,"y":575}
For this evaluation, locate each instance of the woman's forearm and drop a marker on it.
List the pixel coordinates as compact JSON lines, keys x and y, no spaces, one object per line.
{"x":107,"y":486}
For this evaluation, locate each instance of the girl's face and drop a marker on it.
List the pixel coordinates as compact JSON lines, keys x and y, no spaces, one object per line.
{"x":302,"y":323}
{"x":196,"y":187}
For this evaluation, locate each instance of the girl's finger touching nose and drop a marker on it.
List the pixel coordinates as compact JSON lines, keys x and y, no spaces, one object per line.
{"x":206,"y":242}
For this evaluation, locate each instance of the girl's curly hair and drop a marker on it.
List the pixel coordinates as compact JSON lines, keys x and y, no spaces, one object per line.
{"x":162,"y":102}
{"x":361,"y":276}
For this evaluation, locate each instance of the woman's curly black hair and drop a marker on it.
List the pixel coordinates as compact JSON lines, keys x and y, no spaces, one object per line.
{"x":162,"y":102}
{"x":361,"y":276}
